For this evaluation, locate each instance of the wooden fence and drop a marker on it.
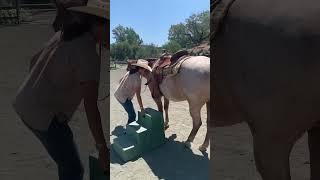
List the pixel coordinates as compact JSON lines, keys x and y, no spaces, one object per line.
{"x":17,"y":6}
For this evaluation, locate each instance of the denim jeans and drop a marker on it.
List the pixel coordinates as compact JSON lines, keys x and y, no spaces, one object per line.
{"x":128,"y":106}
{"x":59,"y":143}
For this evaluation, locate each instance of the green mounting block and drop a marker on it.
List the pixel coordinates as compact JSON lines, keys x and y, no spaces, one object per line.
{"x":142,"y":135}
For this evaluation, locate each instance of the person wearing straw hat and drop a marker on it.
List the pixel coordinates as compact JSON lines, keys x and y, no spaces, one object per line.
{"x":65,"y":73}
{"x":130,"y":84}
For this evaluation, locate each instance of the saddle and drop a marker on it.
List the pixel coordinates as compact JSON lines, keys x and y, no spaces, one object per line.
{"x":167,"y":65}
{"x":176,"y":56}
{"x":167,"y":60}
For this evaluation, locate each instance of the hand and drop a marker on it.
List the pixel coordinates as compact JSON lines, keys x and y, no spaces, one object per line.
{"x":104,"y":158}
{"x":142,"y":111}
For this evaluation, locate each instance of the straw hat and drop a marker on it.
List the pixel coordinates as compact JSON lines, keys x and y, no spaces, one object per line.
{"x":98,"y":8}
{"x":142,"y":63}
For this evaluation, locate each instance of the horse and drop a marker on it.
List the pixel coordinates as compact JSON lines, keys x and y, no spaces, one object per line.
{"x":266,"y":73}
{"x":191,"y":84}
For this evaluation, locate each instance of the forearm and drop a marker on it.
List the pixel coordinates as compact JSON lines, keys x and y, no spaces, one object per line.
{"x":140,"y":101}
{"x":34,"y":59}
{"x":95,"y":125}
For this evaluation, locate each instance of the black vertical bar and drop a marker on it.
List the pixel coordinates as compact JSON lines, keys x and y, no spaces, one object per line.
{"x":18,"y":10}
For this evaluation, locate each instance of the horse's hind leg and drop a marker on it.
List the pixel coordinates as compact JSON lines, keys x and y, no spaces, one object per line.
{"x":166,"y":109}
{"x":194,"y":108}
{"x":314,"y":149}
{"x":205,"y":144}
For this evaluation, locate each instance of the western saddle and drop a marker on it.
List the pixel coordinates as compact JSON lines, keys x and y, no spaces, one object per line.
{"x":166,"y":65}
{"x":167,"y":60}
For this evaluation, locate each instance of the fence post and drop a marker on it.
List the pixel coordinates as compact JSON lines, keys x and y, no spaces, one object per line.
{"x":18,"y":10}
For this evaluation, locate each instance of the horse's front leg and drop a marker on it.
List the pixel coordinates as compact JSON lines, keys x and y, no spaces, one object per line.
{"x":314,"y":149}
{"x":272,"y":156}
{"x":159,"y":104}
{"x":166,"y":109}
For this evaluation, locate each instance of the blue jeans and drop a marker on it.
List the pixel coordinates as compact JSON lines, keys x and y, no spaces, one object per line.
{"x":59,"y":143}
{"x":128,"y":106}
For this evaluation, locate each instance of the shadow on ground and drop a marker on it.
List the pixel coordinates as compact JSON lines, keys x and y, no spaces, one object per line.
{"x":171,"y":161}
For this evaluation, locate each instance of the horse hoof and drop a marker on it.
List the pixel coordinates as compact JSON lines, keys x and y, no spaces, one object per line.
{"x":187,"y":144}
{"x":202,"y":148}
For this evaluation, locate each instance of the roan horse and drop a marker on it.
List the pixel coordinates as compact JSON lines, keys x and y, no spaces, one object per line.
{"x":192,"y":84}
{"x":266,"y":73}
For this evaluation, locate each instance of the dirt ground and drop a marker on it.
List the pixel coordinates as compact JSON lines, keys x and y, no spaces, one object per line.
{"x":232,"y":157}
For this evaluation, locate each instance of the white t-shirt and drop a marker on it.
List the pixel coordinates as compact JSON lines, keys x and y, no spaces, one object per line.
{"x":53,"y":86}
{"x":128,"y":86}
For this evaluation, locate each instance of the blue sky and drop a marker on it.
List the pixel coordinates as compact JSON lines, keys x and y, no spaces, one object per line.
{"x":151,"y":19}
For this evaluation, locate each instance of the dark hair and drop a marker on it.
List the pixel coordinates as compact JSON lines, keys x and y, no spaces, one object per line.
{"x":73,"y":29}
{"x":134,"y":70}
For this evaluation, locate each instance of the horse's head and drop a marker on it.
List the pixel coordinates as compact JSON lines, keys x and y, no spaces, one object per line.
{"x":154,"y":78}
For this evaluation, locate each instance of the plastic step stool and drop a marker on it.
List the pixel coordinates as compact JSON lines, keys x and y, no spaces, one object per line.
{"x":157,"y":118}
{"x":126,"y":148}
{"x":96,"y":173}
{"x":140,"y":135}
{"x":145,"y":120}
{"x":153,"y":120}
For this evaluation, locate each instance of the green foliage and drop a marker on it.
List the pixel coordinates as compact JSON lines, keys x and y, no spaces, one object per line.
{"x":172,"y":46}
{"x":121,"y":50}
{"x":122,"y":34}
{"x":127,"y":44}
{"x":148,"y":51}
{"x":9,"y":16}
{"x":194,"y":31}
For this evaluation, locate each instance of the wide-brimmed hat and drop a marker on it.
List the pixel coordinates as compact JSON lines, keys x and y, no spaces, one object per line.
{"x":142,"y":63}
{"x":98,"y":8}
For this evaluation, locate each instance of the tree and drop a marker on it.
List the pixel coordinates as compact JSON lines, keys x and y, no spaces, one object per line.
{"x":148,"y":51}
{"x":127,"y":43}
{"x":178,"y":33}
{"x":120,"y":51}
{"x":194,"y":31}
{"x":172,"y":46}
{"x":122,"y":34}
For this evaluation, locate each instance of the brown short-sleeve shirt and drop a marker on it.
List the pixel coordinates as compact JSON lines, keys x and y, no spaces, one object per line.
{"x":56,"y":90}
{"x":128,"y":87}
